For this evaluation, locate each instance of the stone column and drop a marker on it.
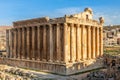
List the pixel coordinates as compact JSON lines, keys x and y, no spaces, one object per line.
{"x":23,"y":42}
{"x":44,"y":43}
{"x":51,"y":44}
{"x":97,"y":42}
{"x":89,"y":42}
{"x":12,"y":42}
{"x":7,"y":43}
{"x":101,"y":41}
{"x":19,"y":42}
{"x":28,"y":42}
{"x":38,"y":45}
{"x":93,"y":42}
{"x":58,"y":43}
{"x":78,"y":43}
{"x":84,"y":43}
{"x":33,"y":43}
{"x":47,"y":42}
{"x":15,"y":42}
{"x":65,"y":43}
{"x":71,"y":42}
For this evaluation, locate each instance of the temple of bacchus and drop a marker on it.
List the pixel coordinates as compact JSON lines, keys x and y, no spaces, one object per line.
{"x":64,"y":45}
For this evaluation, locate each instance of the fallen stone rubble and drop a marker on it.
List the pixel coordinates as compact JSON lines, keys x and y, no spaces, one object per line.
{"x":10,"y":73}
{"x":100,"y":75}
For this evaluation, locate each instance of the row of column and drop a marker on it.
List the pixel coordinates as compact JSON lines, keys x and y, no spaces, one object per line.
{"x":55,"y":43}
{"x":43,"y":43}
{"x":83,"y":42}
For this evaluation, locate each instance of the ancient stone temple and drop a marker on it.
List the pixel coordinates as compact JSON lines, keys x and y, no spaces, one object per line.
{"x":64,"y":45}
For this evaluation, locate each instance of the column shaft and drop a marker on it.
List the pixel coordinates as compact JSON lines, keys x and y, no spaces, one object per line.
{"x":23,"y":43}
{"x":84,"y":42}
{"x":58,"y":43}
{"x":97,"y":42}
{"x":65,"y":43}
{"x":11,"y":43}
{"x":38,"y":45}
{"x":47,"y":42}
{"x":33,"y":43}
{"x":101,"y":41}
{"x":93,"y":42}
{"x":71,"y":42}
{"x":7,"y":43}
{"x":36,"y":42}
{"x":44,"y":43}
{"x":15,"y":42}
{"x":89,"y":42}
{"x":28,"y":43}
{"x":51,"y":43}
{"x":18,"y":41}
{"x":78,"y":43}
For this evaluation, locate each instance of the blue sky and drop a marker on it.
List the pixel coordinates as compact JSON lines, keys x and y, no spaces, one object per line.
{"x":14,"y":10}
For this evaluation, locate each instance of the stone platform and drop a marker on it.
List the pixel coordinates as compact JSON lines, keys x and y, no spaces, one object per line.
{"x":57,"y":68}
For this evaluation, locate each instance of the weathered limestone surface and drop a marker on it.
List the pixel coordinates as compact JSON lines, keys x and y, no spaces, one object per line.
{"x":60,"y":44}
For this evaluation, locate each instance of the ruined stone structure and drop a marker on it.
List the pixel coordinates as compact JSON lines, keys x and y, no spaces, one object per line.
{"x":64,"y":45}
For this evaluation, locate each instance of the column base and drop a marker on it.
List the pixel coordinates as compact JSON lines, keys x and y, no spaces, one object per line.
{"x":70,"y":61}
{"x":44,"y":60}
{"x":33,"y":58}
{"x":50,"y":61}
{"x":76,"y":60}
{"x":28,"y":58}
